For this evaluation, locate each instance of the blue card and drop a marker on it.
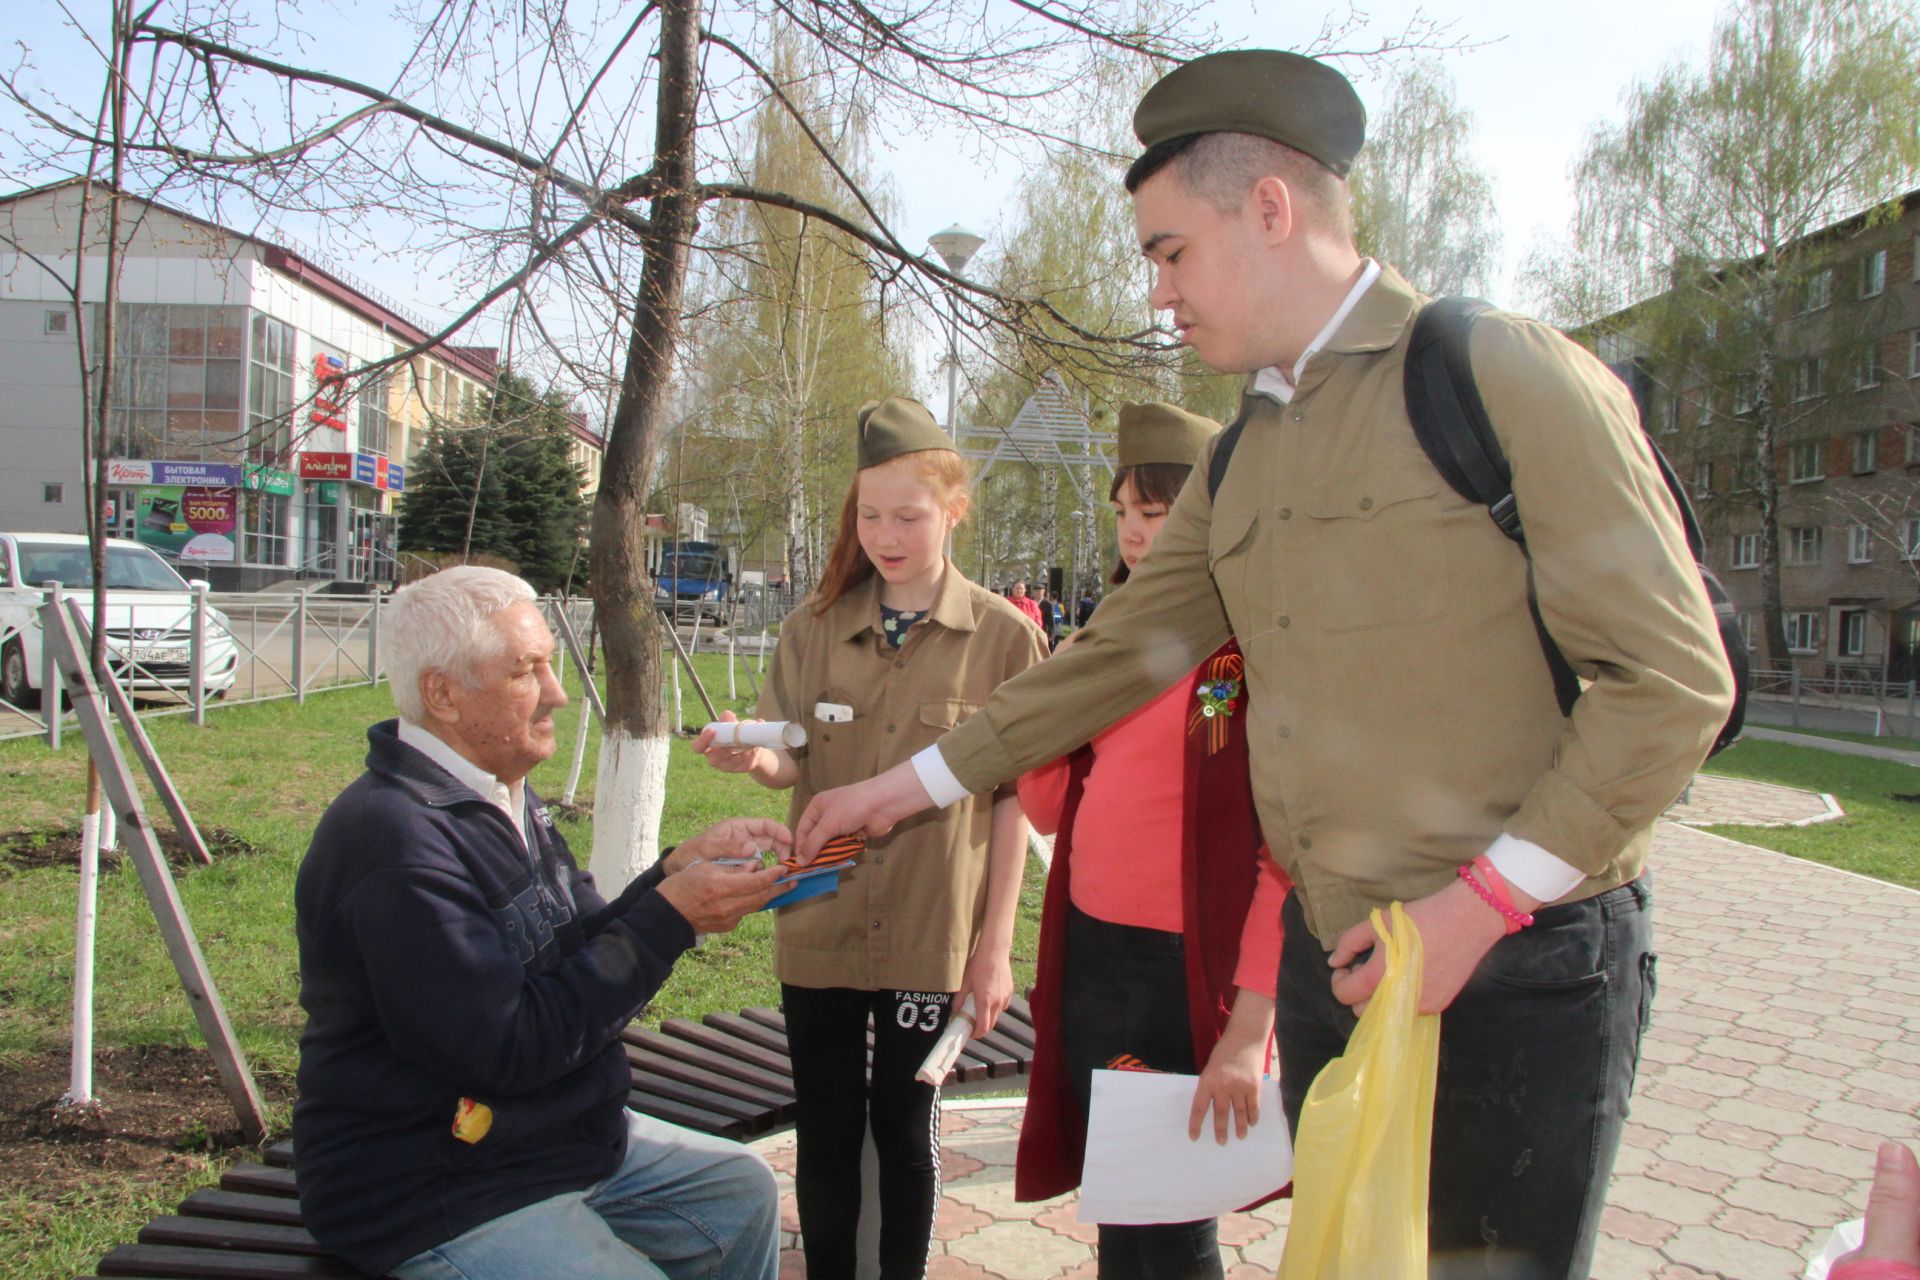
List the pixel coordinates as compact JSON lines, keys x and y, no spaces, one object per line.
{"x":808,"y":883}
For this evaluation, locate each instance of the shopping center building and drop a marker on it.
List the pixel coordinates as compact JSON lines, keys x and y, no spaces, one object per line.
{"x":252,"y":441}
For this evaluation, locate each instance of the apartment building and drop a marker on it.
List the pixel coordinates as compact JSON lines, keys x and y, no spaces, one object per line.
{"x":251,"y":441}
{"x":1846,"y":402}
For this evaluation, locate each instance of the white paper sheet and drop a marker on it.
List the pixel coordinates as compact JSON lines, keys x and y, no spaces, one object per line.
{"x":1141,"y":1166}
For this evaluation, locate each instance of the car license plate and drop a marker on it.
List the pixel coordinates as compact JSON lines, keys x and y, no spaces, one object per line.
{"x":145,"y":653}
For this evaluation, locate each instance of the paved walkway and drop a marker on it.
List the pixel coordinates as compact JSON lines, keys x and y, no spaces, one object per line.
{"x":1785,"y":1046}
{"x":1894,"y":749}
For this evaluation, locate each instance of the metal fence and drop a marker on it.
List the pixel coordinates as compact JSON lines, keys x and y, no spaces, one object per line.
{"x":230,"y":647}
{"x":1882,"y":707}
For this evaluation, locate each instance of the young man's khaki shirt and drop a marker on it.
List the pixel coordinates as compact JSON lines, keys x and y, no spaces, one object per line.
{"x":906,"y":916}
{"x":1401,"y":714}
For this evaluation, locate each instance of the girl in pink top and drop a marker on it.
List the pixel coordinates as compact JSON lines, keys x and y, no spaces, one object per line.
{"x":1160,"y":935}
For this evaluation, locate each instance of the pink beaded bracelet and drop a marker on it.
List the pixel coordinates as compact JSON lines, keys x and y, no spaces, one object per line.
{"x":1515,"y":918}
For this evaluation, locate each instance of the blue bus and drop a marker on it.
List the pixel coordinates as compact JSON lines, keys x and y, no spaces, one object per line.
{"x":695,"y":578}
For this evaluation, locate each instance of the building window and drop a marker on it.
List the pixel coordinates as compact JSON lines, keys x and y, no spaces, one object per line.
{"x":53,"y":494}
{"x":265,"y":540}
{"x":1866,"y":370}
{"x":1913,"y":354}
{"x":1803,"y":544}
{"x":1819,"y":290}
{"x":1873,"y":274}
{"x":375,"y":421}
{"x":1853,"y":633}
{"x":1859,"y":544}
{"x":1866,"y":452}
{"x":1703,"y":479}
{"x":1705,"y":415}
{"x":1803,"y":632}
{"x":1744,"y":389}
{"x":1910,"y":538}
{"x":1807,"y":378}
{"x":1670,"y":414}
{"x":177,"y":373}
{"x":1746,"y":629}
{"x":1913,"y":443}
{"x":1804,"y":462}
{"x":1746,"y":551}
{"x":270,"y":392}
{"x":55,"y":323}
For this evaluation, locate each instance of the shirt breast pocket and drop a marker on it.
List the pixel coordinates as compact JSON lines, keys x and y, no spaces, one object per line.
{"x":937,"y":716}
{"x":1375,"y":557}
{"x":836,"y":725}
{"x":1232,"y":549}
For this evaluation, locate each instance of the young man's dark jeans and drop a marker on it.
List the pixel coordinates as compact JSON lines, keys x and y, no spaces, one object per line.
{"x":1537,"y":1058}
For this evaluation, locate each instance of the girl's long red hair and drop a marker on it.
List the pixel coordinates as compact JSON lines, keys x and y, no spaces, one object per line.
{"x":943,"y":470}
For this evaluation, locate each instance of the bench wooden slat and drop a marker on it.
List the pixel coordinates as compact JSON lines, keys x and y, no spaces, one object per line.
{"x":259,"y":1178}
{"x":1008,"y":1048}
{"x":772,"y":1019}
{"x":222,"y":1233}
{"x":755,"y":1118}
{"x":241,"y":1206}
{"x":1017,"y":1023}
{"x":685,"y":1115}
{"x":751,"y":1032}
{"x":279,"y":1155}
{"x":172,"y":1262}
{"x":663,"y":1067}
{"x":729,"y":1047}
{"x":705,"y":1059}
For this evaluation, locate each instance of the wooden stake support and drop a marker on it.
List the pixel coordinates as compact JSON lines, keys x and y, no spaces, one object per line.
{"x":60,"y":632}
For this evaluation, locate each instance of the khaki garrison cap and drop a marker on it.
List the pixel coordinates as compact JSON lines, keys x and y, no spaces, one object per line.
{"x":1159,"y":432}
{"x":897,"y":425}
{"x":1266,"y":92}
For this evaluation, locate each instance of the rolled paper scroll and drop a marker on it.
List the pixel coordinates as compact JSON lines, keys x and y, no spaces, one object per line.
{"x":777,"y":734}
{"x":947,"y":1048}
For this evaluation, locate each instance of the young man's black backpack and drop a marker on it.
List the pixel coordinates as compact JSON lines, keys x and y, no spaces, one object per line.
{"x":1450,"y":421}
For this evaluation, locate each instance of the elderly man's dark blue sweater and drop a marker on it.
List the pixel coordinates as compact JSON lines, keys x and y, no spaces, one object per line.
{"x":441,"y":958}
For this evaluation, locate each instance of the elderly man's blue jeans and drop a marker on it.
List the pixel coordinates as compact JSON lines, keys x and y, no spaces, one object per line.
{"x":682,"y":1205}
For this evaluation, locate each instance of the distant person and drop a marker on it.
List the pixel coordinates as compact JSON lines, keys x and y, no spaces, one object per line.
{"x":1053,"y":619}
{"x":1160,"y":934}
{"x":462,"y":1108}
{"x":894,"y":648}
{"x":1083,"y":609}
{"x":1406,"y":739}
{"x":1025,"y":604}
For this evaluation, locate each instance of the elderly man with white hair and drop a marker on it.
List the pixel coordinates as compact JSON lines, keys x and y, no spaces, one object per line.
{"x":462,"y":1108}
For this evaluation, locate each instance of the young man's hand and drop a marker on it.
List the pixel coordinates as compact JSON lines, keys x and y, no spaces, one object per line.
{"x":869,"y":808}
{"x":1457,"y":930}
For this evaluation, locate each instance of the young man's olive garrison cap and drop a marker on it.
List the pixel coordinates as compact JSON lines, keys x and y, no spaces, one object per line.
{"x":1266,"y":92}
{"x":1159,"y":432}
{"x":897,"y":425}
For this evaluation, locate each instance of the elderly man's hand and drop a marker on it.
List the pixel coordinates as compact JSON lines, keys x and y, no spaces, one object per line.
{"x":733,"y":838}
{"x":714,"y":897}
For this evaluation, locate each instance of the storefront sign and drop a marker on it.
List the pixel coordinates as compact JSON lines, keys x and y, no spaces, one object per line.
{"x":269,"y":480}
{"x":219,"y":475}
{"x":329,"y":493}
{"x":190,"y":523}
{"x":396,"y":477}
{"x":329,"y":391}
{"x":326,"y":466}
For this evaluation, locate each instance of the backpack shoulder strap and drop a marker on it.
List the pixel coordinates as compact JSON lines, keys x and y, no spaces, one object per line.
{"x":1450,"y":421}
{"x":1448,"y":416}
{"x":1223,"y":452}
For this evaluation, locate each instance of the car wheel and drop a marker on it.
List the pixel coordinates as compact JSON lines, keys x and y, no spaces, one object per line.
{"x":14,"y":686}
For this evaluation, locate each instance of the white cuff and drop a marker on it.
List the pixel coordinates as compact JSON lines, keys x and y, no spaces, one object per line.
{"x":1531,"y":869}
{"x":941,"y":785}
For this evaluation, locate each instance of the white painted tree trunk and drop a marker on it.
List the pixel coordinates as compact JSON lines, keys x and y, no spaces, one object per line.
{"x":628,"y":797}
{"x":80,"y":1071}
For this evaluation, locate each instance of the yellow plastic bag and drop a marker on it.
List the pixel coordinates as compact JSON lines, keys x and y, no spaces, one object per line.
{"x":1366,"y":1133}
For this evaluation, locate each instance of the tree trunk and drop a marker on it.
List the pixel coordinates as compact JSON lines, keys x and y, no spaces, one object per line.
{"x":1766,"y":489}
{"x":631,"y":786}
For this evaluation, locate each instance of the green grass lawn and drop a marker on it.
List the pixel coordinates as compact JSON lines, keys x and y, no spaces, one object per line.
{"x":1879,"y":837}
{"x":1893,"y":738}
{"x":265,"y":772}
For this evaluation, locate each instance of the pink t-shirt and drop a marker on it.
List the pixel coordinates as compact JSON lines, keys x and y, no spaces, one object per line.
{"x":1127,"y":833}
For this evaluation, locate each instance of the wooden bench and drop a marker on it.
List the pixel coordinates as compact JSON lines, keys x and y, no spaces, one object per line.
{"x":727,"y":1074}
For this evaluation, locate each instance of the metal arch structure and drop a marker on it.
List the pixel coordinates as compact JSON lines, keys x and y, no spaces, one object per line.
{"x":1051,"y":429}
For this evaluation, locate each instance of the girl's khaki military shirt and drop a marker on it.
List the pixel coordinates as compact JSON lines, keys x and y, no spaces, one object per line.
{"x":906,"y":916}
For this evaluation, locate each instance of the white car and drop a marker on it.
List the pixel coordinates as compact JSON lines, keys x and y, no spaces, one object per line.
{"x":149,"y":616}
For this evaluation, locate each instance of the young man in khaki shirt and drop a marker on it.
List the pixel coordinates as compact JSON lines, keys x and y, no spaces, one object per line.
{"x":1404,"y":727}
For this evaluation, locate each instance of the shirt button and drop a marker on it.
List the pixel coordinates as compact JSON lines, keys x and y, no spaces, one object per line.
{"x":1366,"y":504}
{"x":899,"y":662}
{"x":1305,"y":842}
{"x":876,"y":924}
{"x":1284,"y":621}
{"x":1285,"y":732}
{"x":889,"y":728}
{"x":1298,"y":416}
{"x":1286,"y":513}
